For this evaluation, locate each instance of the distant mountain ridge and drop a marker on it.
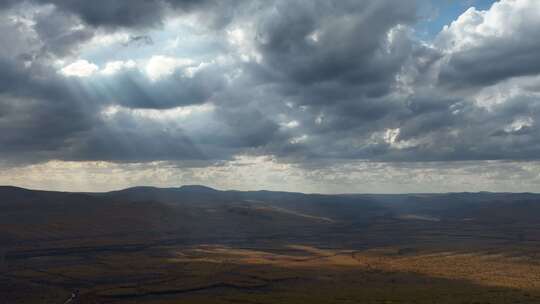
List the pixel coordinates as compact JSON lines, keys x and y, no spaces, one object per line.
{"x":203,"y":188}
{"x":200,"y":212}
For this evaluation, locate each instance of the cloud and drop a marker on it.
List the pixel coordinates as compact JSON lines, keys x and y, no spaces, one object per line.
{"x":302,"y":82}
{"x":162,"y":66}
{"x":79,"y":68}
{"x":135,"y":14}
{"x":485,"y":47}
{"x":60,"y":34}
{"x":139,"y":40}
{"x":115,"y":13}
{"x":114,"y":67}
{"x":255,"y":173}
{"x":357,"y":43}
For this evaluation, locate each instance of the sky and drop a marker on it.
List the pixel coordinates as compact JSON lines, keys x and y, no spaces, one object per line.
{"x":364,"y":96}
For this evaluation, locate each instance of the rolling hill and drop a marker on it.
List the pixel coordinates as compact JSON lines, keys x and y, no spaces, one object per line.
{"x":197,"y":243}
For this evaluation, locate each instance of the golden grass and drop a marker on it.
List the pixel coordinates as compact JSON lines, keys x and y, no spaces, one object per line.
{"x":290,"y":274}
{"x":484,"y":268}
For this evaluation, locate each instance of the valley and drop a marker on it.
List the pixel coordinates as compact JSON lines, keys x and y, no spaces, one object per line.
{"x":200,"y":245}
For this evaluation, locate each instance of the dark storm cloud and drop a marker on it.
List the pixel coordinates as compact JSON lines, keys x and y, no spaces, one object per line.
{"x":236,"y":134}
{"x":7,"y":3}
{"x":128,"y":140}
{"x":336,"y":59}
{"x":132,"y":89}
{"x":330,"y":58}
{"x":55,"y":31}
{"x":33,"y":131}
{"x":460,"y":131}
{"x":59,"y":118}
{"x":50,"y":34}
{"x":133,"y":13}
{"x":491,"y":63}
{"x":346,"y":41}
{"x":120,"y":13}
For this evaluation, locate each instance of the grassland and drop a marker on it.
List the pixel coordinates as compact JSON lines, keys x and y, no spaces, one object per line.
{"x":186,"y":245}
{"x":284,"y":274}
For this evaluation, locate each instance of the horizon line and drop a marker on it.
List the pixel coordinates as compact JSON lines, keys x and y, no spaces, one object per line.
{"x":265,"y":190}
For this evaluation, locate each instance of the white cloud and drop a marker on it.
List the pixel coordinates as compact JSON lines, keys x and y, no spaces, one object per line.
{"x":519,"y":124}
{"x":291,"y":124}
{"x":106,"y":39}
{"x":192,"y":70}
{"x":162,"y":66}
{"x":314,"y":36}
{"x":391,"y":138}
{"x":391,"y":135}
{"x":80,"y":68}
{"x":173,"y":115}
{"x":114,"y":67}
{"x":503,"y":20}
{"x":241,"y":38}
{"x":263,"y":172}
{"x":319,"y":119}
{"x":299,"y":139}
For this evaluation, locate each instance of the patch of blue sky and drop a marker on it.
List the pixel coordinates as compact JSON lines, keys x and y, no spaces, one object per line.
{"x":182,"y":41}
{"x":435,"y":14}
